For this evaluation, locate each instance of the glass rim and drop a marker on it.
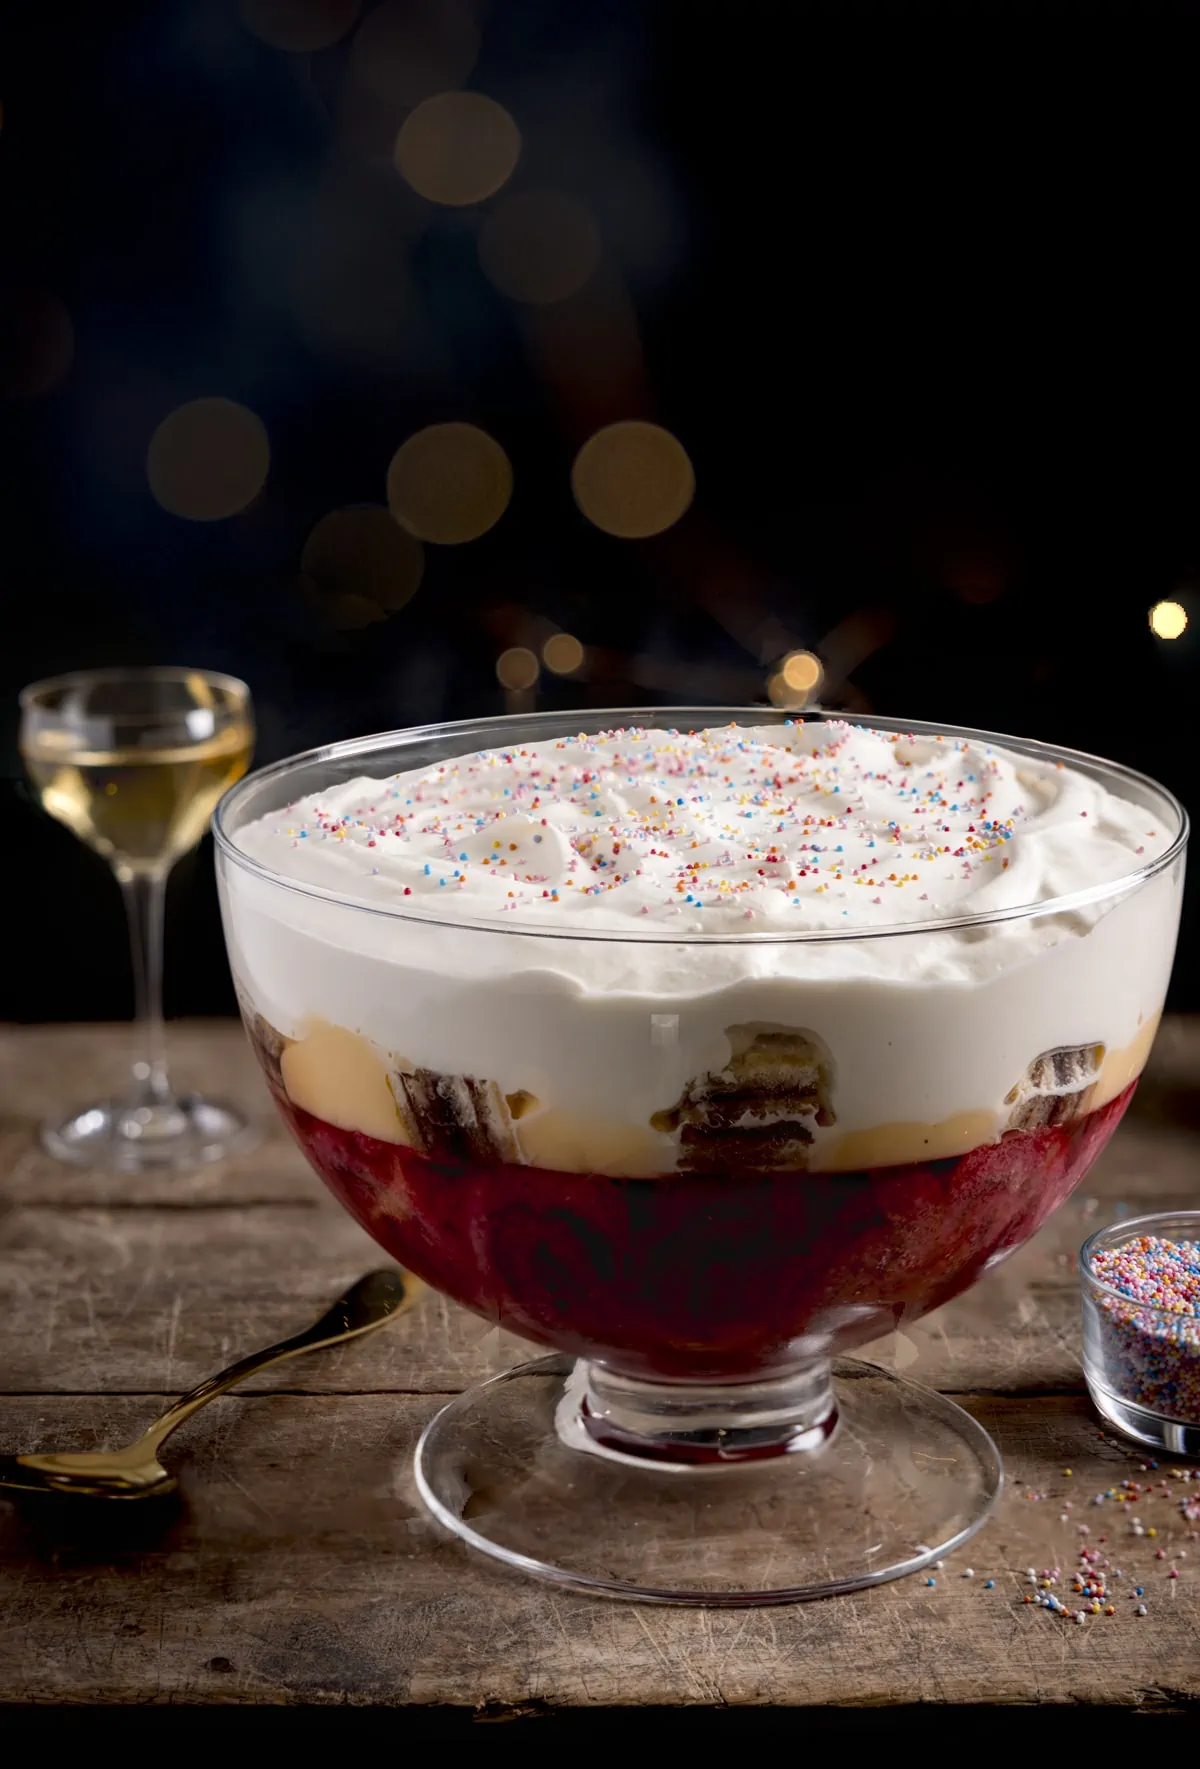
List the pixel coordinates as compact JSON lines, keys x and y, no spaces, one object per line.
{"x":33,"y":693}
{"x":1132,"y":1226}
{"x":623,"y":716}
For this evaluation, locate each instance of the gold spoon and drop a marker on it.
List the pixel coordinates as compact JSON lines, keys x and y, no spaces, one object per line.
{"x":135,"y":1472}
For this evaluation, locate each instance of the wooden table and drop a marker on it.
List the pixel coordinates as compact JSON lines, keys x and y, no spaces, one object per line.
{"x":299,"y":1568}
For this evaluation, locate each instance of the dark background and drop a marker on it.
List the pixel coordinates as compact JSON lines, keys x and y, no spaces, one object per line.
{"x":912,"y":285}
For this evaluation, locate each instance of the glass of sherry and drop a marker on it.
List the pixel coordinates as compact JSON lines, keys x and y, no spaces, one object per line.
{"x":133,"y":761}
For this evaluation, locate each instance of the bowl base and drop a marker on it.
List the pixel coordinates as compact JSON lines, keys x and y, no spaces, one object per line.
{"x":1142,"y":1425}
{"x":903,"y":1478}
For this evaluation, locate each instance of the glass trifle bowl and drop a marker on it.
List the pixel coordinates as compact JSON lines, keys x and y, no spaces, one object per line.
{"x":700,"y":1051}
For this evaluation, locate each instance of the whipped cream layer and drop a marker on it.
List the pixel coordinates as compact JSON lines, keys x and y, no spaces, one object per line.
{"x":805,"y":828}
{"x":788,"y":829}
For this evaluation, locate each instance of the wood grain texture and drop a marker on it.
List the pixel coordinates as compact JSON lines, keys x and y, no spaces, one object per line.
{"x":297,"y":1566}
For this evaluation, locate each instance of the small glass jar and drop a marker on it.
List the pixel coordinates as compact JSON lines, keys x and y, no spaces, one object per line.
{"x":1142,"y":1361}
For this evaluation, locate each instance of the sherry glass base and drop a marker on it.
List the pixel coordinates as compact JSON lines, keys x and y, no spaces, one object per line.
{"x":821,"y":1482}
{"x":125,"y":1137}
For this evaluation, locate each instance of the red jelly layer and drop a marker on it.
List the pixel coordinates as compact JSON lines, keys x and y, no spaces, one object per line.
{"x":704,"y":1276}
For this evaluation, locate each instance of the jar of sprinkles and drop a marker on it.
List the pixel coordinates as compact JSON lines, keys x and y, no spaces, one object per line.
{"x":1141,"y":1328}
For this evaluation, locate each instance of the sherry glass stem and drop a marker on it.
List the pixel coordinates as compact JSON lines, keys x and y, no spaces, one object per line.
{"x":145,"y":894}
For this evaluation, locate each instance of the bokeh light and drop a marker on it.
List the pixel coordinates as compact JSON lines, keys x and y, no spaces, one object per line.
{"x":517,"y":668}
{"x":360,"y":556}
{"x":37,"y":342}
{"x":457,"y":148}
{"x":633,"y":479}
{"x":539,"y":247}
{"x":562,"y":654}
{"x":796,"y":679}
{"x":408,"y":50}
{"x":801,"y":671}
{"x":299,"y":25}
{"x":208,"y":459}
{"x":449,"y":483}
{"x":1168,"y":620}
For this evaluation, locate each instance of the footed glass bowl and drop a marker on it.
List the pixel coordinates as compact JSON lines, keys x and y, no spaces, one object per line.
{"x":698,"y":1172}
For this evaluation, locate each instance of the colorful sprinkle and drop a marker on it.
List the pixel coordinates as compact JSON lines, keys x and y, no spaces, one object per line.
{"x":1149,"y":1332}
{"x":787,"y":826}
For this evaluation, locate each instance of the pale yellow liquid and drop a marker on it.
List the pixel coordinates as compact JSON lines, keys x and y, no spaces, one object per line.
{"x":141,"y":808}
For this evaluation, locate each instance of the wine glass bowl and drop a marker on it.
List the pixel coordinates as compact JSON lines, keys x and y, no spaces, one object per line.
{"x":133,"y":762}
{"x":699,"y":1170}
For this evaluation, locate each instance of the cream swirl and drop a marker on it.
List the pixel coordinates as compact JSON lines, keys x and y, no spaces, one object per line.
{"x":780,"y":828}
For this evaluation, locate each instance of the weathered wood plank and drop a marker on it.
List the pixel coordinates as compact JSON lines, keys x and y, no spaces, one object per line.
{"x":121,"y":1300}
{"x":299,"y":1569}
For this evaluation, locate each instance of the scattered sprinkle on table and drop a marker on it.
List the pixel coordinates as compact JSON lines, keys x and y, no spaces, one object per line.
{"x":1091,"y":1579}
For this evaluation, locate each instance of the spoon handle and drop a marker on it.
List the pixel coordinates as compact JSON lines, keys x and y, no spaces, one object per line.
{"x":367,"y":1305}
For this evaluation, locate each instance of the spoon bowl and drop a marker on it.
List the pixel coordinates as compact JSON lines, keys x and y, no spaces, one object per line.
{"x":131,"y":1473}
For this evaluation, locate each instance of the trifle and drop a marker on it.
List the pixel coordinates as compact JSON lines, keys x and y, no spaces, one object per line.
{"x":700,"y":1049}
